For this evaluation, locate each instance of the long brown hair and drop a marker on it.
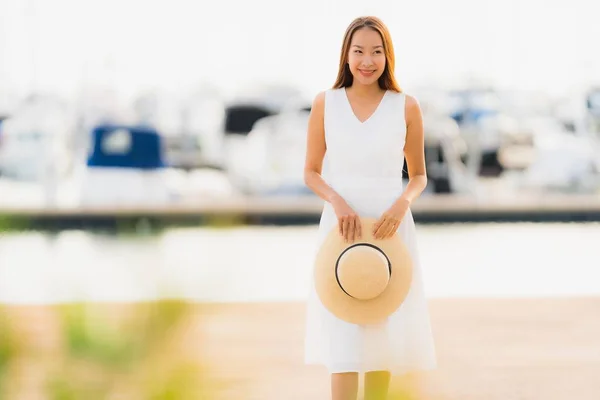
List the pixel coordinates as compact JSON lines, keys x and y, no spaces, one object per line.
{"x":387,"y":80}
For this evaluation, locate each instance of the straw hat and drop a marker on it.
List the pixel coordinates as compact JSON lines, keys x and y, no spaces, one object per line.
{"x":365,"y":281}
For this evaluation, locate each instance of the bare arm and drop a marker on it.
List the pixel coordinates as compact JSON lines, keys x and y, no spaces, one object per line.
{"x":414,"y":152}
{"x":348,"y":222}
{"x":315,"y":151}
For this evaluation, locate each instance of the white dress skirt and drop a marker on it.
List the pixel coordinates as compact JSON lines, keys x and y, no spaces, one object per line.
{"x":364,"y":164}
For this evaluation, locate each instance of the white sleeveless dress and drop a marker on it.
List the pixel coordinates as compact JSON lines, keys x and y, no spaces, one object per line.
{"x":364,"y":163}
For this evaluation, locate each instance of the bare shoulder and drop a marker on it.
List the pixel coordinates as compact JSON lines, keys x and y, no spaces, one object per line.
{"x":411,"y":104}
{"x":318,"y":104}
{"x":412,"y":108}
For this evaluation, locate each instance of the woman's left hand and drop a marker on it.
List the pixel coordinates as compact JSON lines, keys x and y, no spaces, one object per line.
{"x":390,"y":220}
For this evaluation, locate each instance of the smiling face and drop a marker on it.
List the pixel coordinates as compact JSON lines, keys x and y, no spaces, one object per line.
{"x":366,"y":56}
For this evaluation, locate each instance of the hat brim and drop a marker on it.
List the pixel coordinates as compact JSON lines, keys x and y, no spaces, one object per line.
{"x":354,"y":310}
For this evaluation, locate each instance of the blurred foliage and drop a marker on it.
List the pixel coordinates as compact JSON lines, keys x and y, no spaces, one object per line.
{"x":103,"y":351}
{"x":403,"y":395}
{"x":10,"y":223}
{"x":123,"y":226}
{"x":102,"y":342}
{"x":406,"y":387}
{"x":225,"y":221}
{"x":9,"y":348}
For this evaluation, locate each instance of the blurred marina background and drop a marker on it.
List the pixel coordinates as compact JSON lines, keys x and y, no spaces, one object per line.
{"x":159,"y":109}
{"x":153,"y":152}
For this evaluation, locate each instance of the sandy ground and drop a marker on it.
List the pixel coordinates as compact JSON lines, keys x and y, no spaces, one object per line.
{"x":487,"y":349}
{"x":522,"y":349}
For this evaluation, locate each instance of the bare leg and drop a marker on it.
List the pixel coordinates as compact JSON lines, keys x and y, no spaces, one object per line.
{"x":344,"y":386}
{"x":377,"y":384}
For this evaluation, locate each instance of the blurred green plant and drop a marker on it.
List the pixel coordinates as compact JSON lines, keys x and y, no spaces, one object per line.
{"x":101,"y":342}
{"x":402,"y":395}
{"x":8,"y":349}
{"x":132,"y":351}
{"x":224,"y":221}
{"x":139,"y":226}
{"x":121,"y":226}
{"x":60,"y":389}
{"x":13,"y":223}
{"x":405,"y":387}
{"x":133,"y":346}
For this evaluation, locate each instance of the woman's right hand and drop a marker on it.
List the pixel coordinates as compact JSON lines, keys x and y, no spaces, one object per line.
{"x":348,"y":220}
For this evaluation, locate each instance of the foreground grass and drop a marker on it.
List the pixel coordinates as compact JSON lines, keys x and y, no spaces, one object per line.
{"x":97,"y":351}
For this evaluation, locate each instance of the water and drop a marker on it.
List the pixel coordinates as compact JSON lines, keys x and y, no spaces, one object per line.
{"x":273,"y":263}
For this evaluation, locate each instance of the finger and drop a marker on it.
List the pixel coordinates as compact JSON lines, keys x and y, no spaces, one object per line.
{"x":391,"y":230}
{"x":376,"y":231}
{"x":351,"y":228}
{"x":385,"y":230}
{"x":358,"y":229}
{"x":377,"y":225}
{"x":346,"y":223}
{"x":396,"y":226}
{"x":380,"y":229}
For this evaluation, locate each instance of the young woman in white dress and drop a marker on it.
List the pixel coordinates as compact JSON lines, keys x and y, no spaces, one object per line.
{"x":360,"y":131}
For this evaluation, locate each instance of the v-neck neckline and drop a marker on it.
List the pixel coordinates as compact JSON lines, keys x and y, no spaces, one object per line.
{"x":370,"y":117}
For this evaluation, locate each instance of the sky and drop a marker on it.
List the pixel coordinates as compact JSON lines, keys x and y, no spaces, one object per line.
{"x":66,"y":45}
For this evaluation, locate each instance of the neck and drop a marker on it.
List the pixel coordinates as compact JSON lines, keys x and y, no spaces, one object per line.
{"x":365,"y":90}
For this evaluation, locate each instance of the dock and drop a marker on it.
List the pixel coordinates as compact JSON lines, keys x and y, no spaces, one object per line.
{"x":307,"y":209}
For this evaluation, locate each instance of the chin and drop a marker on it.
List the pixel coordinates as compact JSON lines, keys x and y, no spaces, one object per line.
{"x":366,"y":81}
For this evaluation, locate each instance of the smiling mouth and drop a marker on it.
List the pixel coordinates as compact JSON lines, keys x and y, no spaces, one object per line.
{"x":366,"y":72}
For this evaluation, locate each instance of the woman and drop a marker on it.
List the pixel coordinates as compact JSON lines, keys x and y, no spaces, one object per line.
{"x":367,"y":126}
